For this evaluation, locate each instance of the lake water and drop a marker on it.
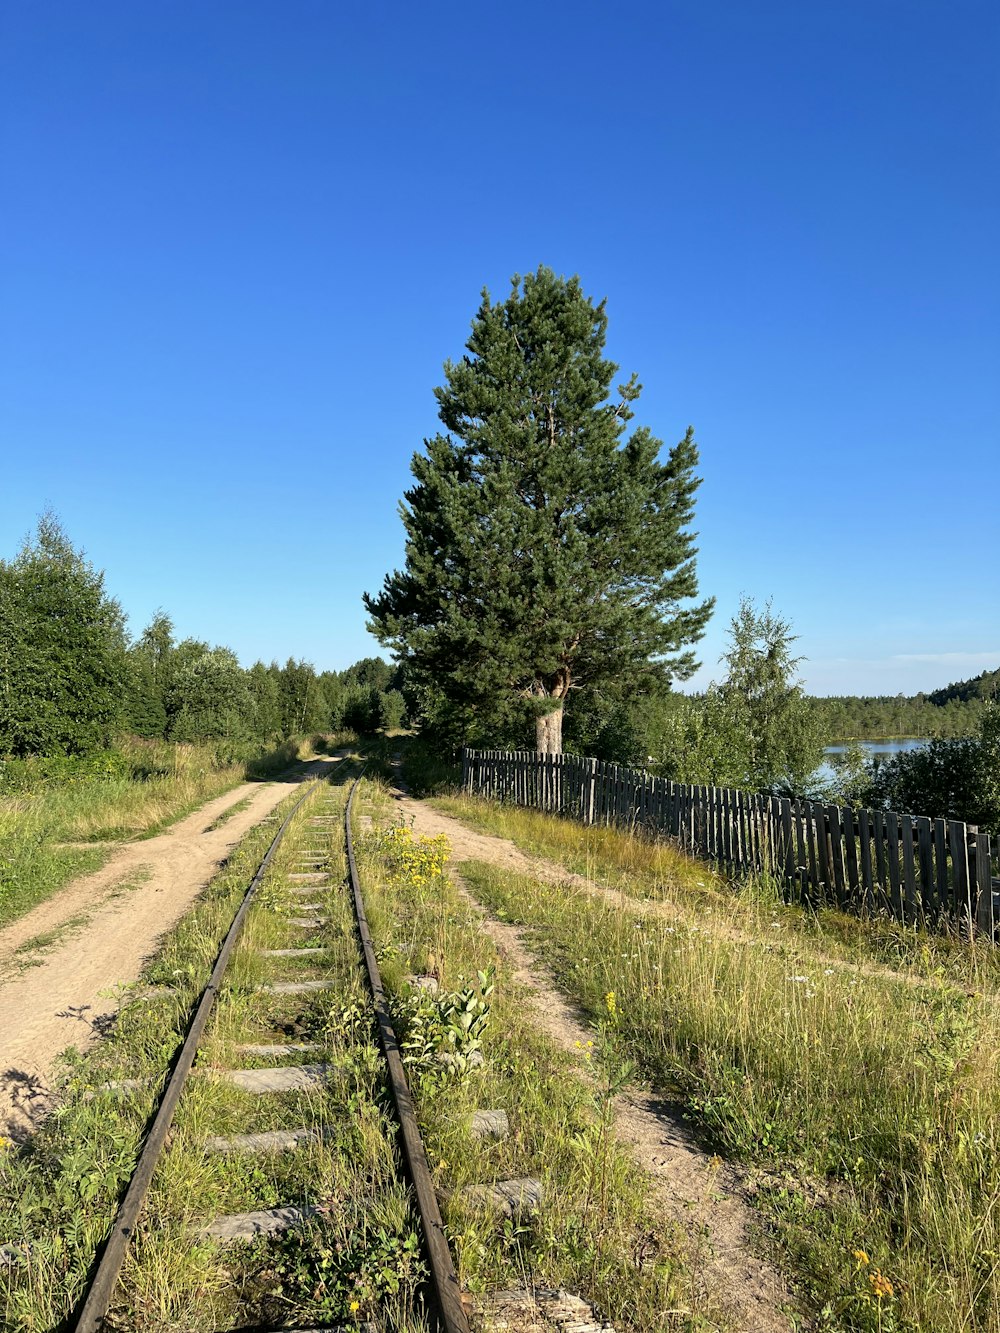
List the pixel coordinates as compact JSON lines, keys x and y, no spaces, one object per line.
{"x":826,"y":771}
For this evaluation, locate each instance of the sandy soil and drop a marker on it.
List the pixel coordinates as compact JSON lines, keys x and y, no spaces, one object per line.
{"x":105,"y":926}
{"x":707,"y":1198}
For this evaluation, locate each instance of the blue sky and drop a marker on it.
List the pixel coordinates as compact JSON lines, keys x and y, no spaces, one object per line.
{"x":238,"y":240}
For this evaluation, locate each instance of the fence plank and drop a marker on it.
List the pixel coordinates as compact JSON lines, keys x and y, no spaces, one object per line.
{"x":783,"y":816}
{"x":865,"y":840}
{"x":813,"y":894}
{"x":925,"y":855}
{"x":984,"y":881}
{"x":892,"y":863}
{"x":837,"y":853}
{"x":945,"y":900}
{"x":827,"y":888}
{"x":958,"y":846}
{"x":909,"y":875}
{"x":851,"y":854}
{"x":741,"y":850}
{"x":881,"y":869}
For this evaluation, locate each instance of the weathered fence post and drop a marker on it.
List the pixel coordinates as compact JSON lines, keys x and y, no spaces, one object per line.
{"x":589,"y":789}
{"x":984,"y":885}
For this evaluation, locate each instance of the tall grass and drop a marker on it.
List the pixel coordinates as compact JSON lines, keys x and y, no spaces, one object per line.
{"x":868,"y":1103}
{"x":659,"y":874}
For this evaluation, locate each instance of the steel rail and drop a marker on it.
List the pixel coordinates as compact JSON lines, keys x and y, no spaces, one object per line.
{"x":444,"y":1279}
{"x":104,"y":1281}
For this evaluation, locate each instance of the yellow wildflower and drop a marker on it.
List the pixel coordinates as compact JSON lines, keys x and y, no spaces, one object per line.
{"x":611,"y":1004}
{"x":861,"y":1260}
{"x":880,"y":1283}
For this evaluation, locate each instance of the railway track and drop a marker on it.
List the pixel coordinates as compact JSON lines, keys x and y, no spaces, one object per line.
{"x":291,"y":911}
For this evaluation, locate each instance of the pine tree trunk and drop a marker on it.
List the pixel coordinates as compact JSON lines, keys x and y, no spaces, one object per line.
{"x":548,"y":731}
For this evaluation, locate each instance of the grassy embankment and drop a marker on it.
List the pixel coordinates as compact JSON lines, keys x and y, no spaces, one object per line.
{"x":357,"y":1260}
{"x":597,"y":1232}
{"x":61,"y":819}
{"x":852,"y":1065}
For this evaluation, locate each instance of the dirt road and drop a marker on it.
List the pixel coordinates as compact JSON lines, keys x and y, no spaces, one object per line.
{"x":62,"y":964}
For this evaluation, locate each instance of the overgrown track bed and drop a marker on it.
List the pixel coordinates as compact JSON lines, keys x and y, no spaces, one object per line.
{"x":269,"y":1189}
{"x":285,"y":1196}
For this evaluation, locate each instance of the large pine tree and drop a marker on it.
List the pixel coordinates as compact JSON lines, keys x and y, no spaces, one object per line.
{"x":546,"y":549}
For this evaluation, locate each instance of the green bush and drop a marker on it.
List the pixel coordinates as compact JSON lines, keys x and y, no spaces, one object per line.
{"x":954,"y":779}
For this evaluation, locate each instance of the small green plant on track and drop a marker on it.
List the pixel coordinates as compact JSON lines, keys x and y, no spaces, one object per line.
{"x":349,"y":1277}
{"x":441,"y":1032}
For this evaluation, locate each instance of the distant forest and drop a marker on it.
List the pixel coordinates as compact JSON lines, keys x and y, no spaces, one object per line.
{"x":72,"y":679}
{"x":947,"y":713}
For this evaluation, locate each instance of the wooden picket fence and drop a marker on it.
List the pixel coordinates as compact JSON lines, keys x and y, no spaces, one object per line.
{"x":933,"y":871}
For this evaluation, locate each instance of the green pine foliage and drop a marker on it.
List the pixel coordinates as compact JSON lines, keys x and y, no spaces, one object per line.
{"x":985,"y":686}
{"x":548,"y":548}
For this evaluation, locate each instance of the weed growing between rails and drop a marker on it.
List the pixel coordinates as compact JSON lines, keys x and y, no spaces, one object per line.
{"x":869,"y":1105}
{"x":594,"y":1231}
{"x":658,"y":873}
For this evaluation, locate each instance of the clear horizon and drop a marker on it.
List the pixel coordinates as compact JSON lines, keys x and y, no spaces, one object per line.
{"x":239,"y":243}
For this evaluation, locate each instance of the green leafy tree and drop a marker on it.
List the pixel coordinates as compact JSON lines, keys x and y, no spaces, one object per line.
{"x":333,"y":694}
{"x":63,"y":668}
{"x":150,"y":660}
{"x":369,"y":673}
{"x":265,"y":702}
{"x":701,"y":740}
{"x":389,"y":709}
{"x":546,"y":548}
{"x":756,"y":729}
{"x":209,"y":696}
{"x":947,"y":779}
{"x":303,"y":703}
{"x":767,"y":703}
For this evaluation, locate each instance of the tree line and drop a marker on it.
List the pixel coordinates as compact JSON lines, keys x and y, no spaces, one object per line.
{"x":71,"y":677}
{"x":945,"y":714}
